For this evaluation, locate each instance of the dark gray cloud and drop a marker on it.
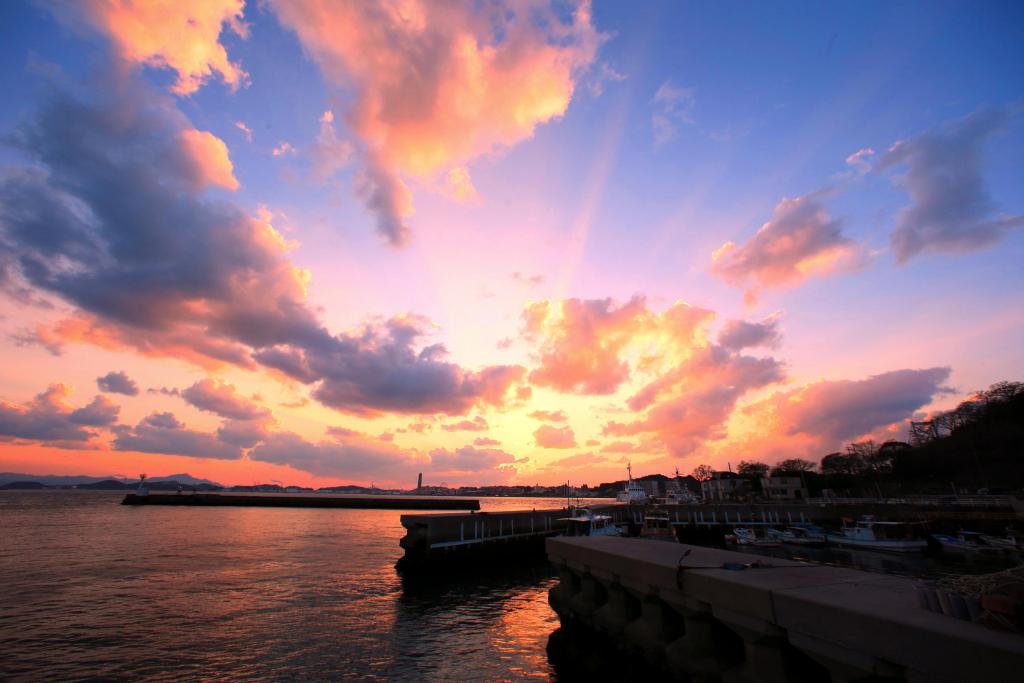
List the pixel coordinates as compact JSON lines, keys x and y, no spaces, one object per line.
{"x":117,"y":383}
{"x":352,"y":456}
{"x":740,"y":334}
{"x":952,"y":209}
{"x":243,"y":433}
{"x":101,"y":412}
{"x":47,"y":418}
{"x":162,"y":433}
{"x":839,"y":410}
{"x":221,"y":398}
{"x":113,"y":217}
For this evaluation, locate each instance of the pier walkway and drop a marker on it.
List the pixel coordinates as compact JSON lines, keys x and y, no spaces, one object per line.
{"x":684,"y":612}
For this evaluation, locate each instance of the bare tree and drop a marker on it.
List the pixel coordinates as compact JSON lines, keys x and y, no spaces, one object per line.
{"x":703,"y":472}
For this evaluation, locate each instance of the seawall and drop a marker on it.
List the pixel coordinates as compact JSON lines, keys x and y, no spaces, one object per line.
{"x":683,"y":613}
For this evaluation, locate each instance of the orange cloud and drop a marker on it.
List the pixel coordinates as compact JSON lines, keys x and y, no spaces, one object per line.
{"x":210,"y":157}
{"x":440,"y":83}
{"x":582,"y":344}
{"x":181,"y":35}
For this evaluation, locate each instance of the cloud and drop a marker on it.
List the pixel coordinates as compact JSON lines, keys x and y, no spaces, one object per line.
{"x":117,"y":383}
{"x":243,"y":433}
{"x":620,"y":447}
{"x":220,"y":397}
{"x":672,"y":106}
{"x":438,"y":83}
{"x":581,"y":343}
{"x":548,"y":436}
{"x":100,"y":412}
{"x":459,"y":186}
{"x":469,"y":460}
{"x":952,"y":210}
{"x":549,"y":415}
{"x":860,"y":161}
{"x":328,"y":154}
{"x":209,"y":154}
{"x":48,"y":418}
{"x":477,"y":424}
{"x":800,"y":241}
{"x":484,"y":441}
{"x":112,"y":217}
{"x":283,"y":149}
{"x":379,"y":369}
{"x":740,"y":334}
{"x":834,"y":411}
{"x":183,"y":36}
{"x":691,"y":402}
{"x":246,"y":130}
{"x":355,"y":457}
{"x":575,"y":462}
{"x":163,"y":434}
{"x":528,"y":280}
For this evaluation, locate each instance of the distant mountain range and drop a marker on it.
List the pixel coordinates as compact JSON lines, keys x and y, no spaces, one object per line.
{"x":27,"y":481}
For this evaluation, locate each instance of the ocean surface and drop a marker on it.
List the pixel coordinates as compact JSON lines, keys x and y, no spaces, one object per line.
{"x":92,"y":589}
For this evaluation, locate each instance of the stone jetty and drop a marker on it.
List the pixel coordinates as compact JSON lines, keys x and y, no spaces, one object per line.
{"x":706,"y":614}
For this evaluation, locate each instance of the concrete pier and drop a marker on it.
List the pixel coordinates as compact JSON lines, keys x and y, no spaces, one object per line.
{"x":441,"y":539}
{"x":682,"y":612}
{"x":304,"y":500}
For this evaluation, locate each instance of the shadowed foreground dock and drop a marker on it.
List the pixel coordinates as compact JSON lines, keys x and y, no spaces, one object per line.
{"x":706,"y":614}
{"x":304,"y":500}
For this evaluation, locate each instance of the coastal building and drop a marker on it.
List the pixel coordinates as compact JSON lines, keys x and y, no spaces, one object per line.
{"x":783,"y":488}
{"x":725,"y":486}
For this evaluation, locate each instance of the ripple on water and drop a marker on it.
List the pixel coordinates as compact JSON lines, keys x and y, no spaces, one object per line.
{"x":96,"y":590}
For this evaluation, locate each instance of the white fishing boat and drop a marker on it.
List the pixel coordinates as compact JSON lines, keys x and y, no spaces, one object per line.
{"x":633,"y":493}
{"x":871,"y":534}
{"x":1012,"y":542}
{"x":658,"y":526}
{"x":971,"y":543}
{"x":585,"y":522}
{"x":680,"y":495}
{"x":799,"y":534}
{"x":749,"y":536}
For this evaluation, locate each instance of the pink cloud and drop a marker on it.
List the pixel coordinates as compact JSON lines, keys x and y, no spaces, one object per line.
{"x":547,"y":436}
{"x":441,"y":83}
{"x":800,"y":241}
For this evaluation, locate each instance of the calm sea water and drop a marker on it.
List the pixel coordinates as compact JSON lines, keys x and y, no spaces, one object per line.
{"x":93,"y":589}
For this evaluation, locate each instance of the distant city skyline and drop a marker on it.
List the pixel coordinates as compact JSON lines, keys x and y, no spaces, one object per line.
{"x":322,"y":243}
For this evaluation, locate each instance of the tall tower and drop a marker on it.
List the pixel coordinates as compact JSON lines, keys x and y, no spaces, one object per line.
{"x":419,"y":482}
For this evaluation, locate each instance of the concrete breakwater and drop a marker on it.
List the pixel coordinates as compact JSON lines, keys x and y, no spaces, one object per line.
{"x":706,"y":614}
{"x":518,"y":536}
{"x":304,"y":500}
{"x":444,"y":540}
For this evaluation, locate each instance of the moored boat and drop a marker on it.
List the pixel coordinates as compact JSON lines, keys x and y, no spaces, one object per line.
{"x":872,"y":534}
{"x":749,"y":536}
{"x":971,"y":543}
{"x":658,"y":526}
{"x":800,"y":534}
{"x":585,"y":522}
{"x":633,"y":493}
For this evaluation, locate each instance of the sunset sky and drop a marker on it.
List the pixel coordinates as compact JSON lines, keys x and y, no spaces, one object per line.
{"x":321,"y":242}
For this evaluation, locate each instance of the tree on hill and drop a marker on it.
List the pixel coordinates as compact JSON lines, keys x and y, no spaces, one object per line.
{"x":750,"y":468}
{"x":703,"y":472}
{"x":794,"y":466}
